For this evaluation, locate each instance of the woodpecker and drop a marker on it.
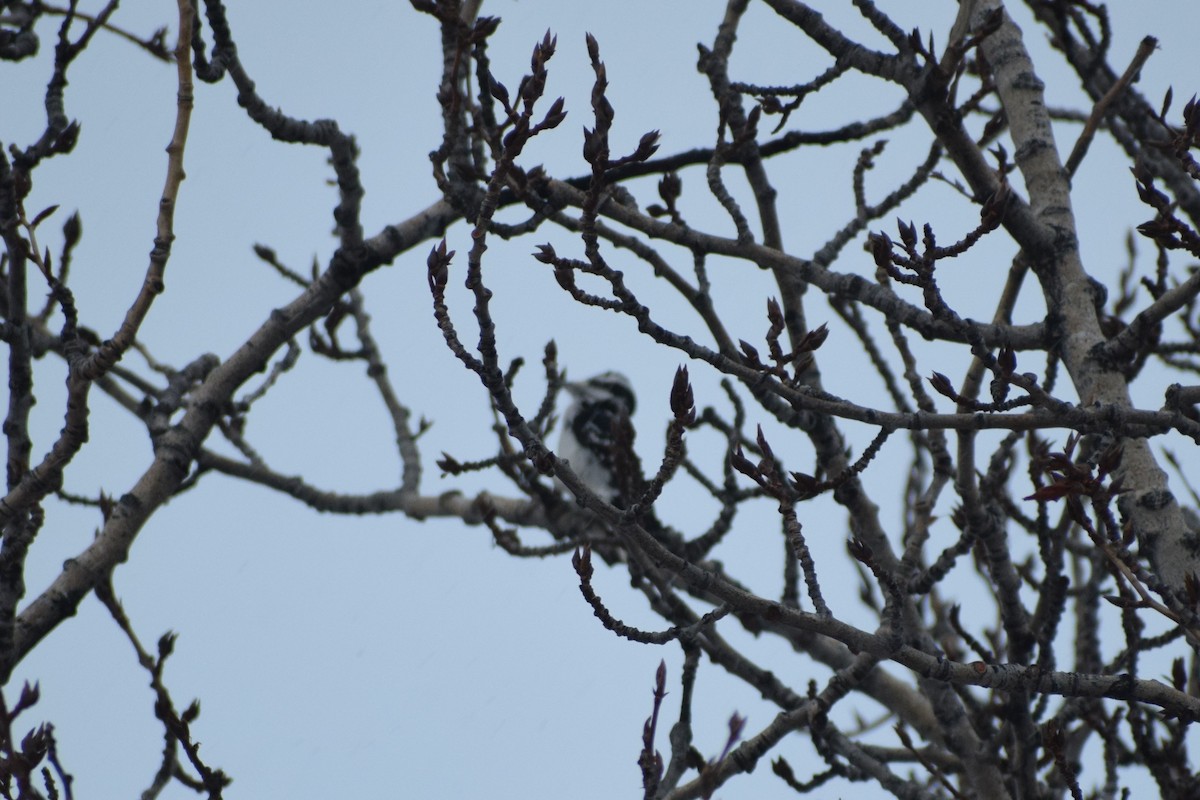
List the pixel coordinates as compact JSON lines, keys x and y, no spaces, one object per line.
{"x":590,"y":442}
{"x":597,"y":440}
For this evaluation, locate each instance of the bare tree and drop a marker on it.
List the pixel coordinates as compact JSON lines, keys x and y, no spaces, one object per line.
{"x":1034,"y":487}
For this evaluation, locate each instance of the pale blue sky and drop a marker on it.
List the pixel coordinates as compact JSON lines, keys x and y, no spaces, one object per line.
{"x":382,"y":657}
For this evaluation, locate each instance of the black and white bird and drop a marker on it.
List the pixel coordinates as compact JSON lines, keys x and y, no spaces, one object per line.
{"x":597,"y":440}
{"x":592,"y":424}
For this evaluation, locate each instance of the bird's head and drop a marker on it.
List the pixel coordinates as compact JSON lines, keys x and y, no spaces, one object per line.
{"x":606,"y":387}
